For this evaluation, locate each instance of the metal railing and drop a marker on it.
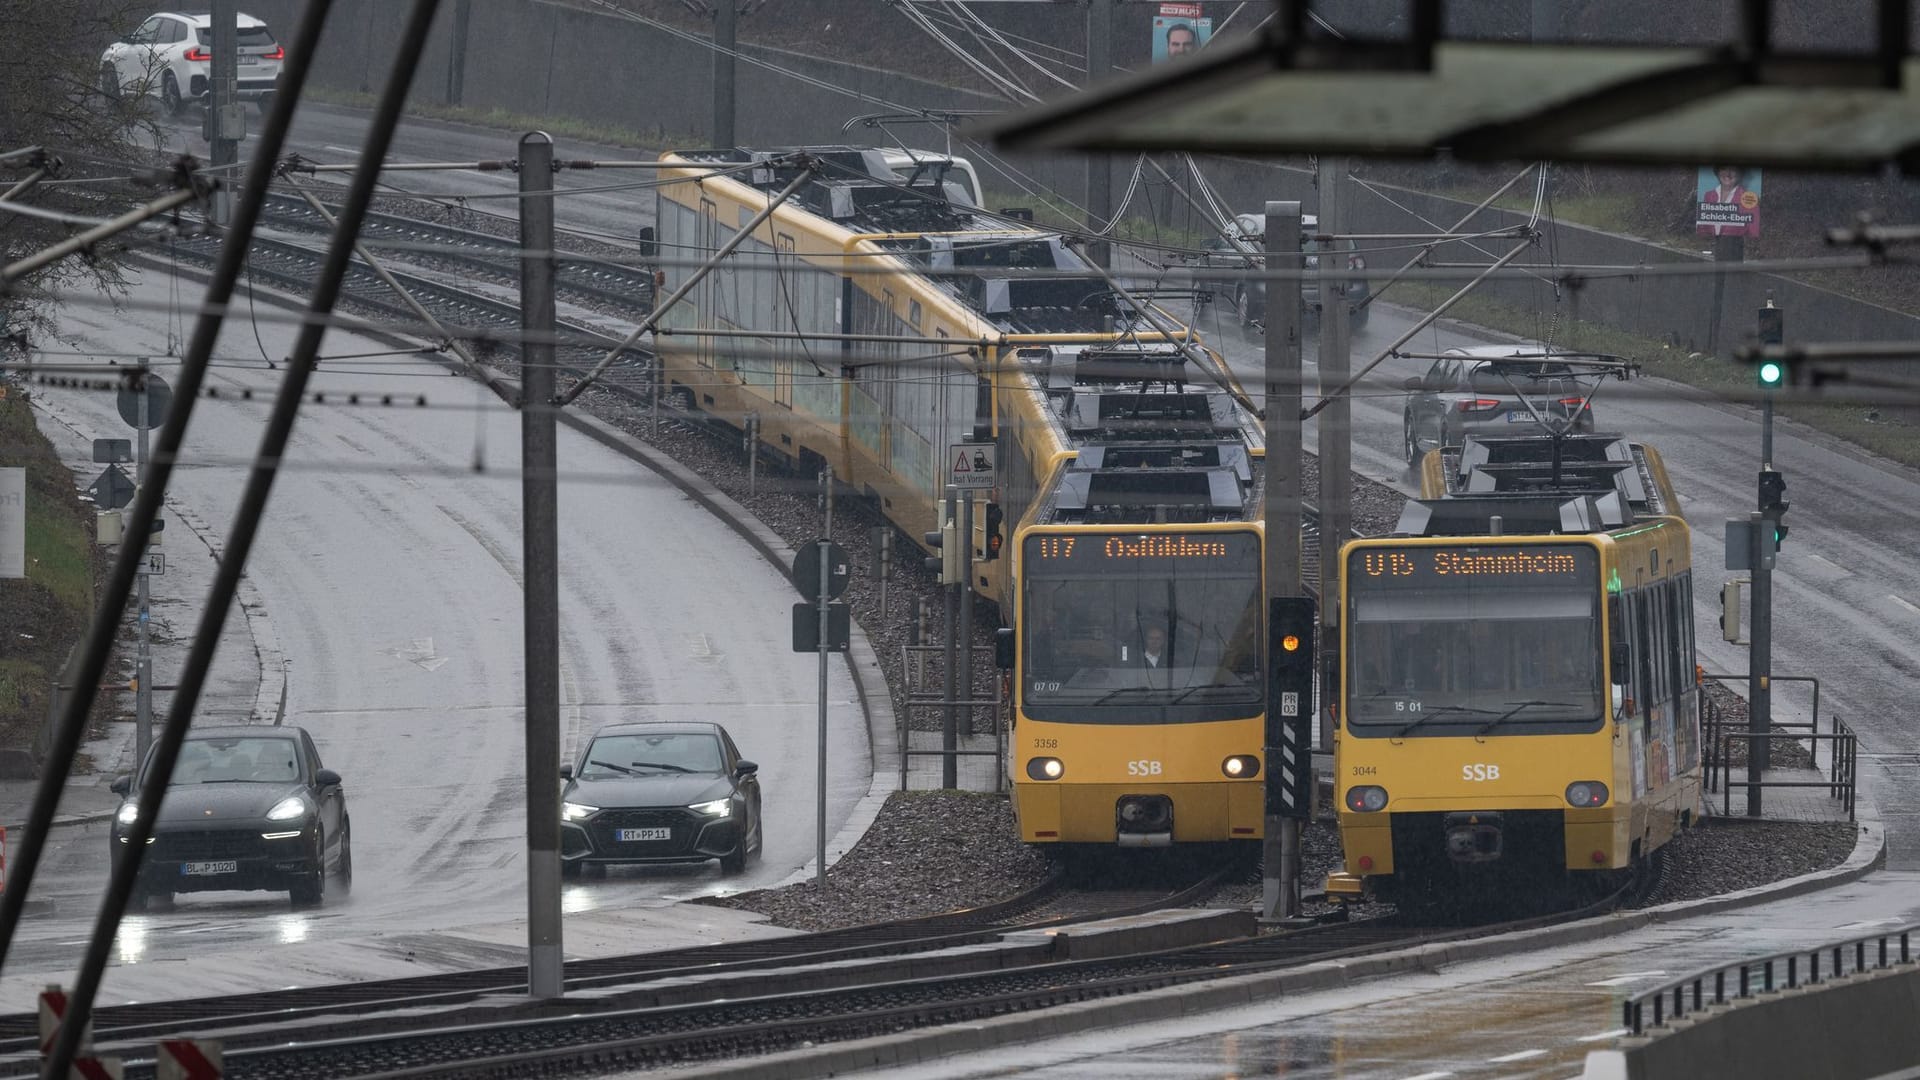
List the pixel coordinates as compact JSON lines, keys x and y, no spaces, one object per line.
{"x":923,"y":668}
{"x":1842,"y":779}
{"x":1712,"y":986}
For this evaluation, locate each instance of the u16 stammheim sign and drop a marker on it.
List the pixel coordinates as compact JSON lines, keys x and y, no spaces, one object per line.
{"x":13,"y":523}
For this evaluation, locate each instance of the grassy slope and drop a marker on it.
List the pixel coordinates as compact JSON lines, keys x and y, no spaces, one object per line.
{"x":44,"y":614}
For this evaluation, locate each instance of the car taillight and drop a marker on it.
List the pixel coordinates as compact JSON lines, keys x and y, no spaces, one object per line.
{"x":200,"y":54}
{"x":1573,"y":402}
{"x":279,"y":53}
{"x":1355,"y":262}
{"x":1478,"y":404}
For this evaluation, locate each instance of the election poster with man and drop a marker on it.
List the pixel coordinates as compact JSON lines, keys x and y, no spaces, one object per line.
{"x":1727,"y":201}
{"x":1178,"y":30}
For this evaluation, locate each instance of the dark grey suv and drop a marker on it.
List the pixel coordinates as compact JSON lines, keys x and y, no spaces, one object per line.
{"x":1502,"y":389}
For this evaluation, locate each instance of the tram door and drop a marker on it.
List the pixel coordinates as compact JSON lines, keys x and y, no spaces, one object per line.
{"x":706,"y":293}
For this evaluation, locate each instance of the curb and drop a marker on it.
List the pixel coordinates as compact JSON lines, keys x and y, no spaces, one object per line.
{"x":931,"y":1044}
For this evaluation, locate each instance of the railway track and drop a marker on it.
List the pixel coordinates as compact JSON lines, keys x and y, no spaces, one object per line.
{"x":733,"y":968}
{"x":720,"y":1017}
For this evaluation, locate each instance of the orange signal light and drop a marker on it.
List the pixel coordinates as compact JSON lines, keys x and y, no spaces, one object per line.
{"x":1291,"y":643}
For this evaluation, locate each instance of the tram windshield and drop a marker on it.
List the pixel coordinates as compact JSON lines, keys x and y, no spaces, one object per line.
{"x":1473,"y":639}
{"x":1141,"y":628}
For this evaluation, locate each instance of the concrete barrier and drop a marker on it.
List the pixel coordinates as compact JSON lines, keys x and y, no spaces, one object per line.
{"x":1854,"y":1028}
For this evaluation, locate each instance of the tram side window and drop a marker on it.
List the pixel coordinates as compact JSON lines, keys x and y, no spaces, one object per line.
{"x":1680,"y":631}
{"x":1642,"y":655}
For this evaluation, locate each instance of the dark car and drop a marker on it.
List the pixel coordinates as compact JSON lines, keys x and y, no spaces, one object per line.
{"x":1246,"y":240}
{"x":1499,"y":389}
{"x":659,"y":793}
{"x":249,"y":808}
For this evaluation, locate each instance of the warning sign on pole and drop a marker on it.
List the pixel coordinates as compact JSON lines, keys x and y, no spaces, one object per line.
{"x":188,"y":1059}
{"x":970,"y":466}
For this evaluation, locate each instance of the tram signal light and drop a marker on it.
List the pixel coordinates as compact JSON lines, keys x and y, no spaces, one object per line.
{"x":1773,"y":498}
{"x":995,"y":517}
{"x":1289,"y":743}
{"x":1770,"y":374}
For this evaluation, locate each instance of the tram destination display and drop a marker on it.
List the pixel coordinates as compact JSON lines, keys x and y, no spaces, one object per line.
{"x":1425,"y":567}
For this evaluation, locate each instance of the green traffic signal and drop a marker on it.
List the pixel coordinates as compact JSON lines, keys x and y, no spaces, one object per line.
{"x":1772,"y":374}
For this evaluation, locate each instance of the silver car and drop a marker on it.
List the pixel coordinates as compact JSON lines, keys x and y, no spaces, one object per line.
{"x":1502,"y":389}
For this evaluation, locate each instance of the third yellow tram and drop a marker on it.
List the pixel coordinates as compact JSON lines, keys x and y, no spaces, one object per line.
{"x":1517,"y":697}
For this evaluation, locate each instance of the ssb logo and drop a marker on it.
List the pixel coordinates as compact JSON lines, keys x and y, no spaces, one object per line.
{"x":1143,"y":768}
{"x":1479,"y":772}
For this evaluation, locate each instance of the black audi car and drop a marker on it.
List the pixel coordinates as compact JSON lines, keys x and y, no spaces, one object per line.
{"x":659,"y":793}
{"x":248,"y":808}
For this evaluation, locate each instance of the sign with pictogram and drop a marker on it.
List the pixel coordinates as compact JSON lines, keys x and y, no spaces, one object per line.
{"x":970,"y":466}
{"x":112,"y":489}
{"x":188,"y":1059}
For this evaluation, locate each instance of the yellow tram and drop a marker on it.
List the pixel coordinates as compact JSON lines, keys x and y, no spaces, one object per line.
{"x":1517,"y":688}
{"x":873,"y":324}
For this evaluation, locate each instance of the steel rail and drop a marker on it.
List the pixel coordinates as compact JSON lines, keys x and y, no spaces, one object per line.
{"x":1038,"y":907}
{"x":654,"y":1034}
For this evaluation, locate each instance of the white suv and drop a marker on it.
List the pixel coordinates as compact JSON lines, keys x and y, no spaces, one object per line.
{"x":171,"y":55}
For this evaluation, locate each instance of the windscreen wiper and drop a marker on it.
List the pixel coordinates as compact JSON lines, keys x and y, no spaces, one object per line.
{"x":611,"y":765}
{"x":1446,"y":710}
{"x":657,"y":765}
{"x":1517,"y":706}
{"x":1117,"y":691}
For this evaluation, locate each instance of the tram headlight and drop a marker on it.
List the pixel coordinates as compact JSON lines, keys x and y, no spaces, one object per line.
{"x":1045,"y":768}
{"x":1366,"y":799}
{"x":1241,"y":766}
{"x":1586,"y":793}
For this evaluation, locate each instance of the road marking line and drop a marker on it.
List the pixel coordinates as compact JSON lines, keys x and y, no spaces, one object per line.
{"x":1429,"y":1076}
{"x":339,"y":149}
{"x":1631,"y":976}
{"x":1522,"y":1055}
{"x":1614,"y":1034}
{"x":1904,"y":603}
{"x":1830,"y":562}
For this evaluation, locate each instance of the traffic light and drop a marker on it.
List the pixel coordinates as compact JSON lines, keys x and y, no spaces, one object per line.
{"x":1291,"y":621}
{"x":1773,"y":504}
{"x":995,"y":516}
{"x":1771,"y":374}
{"x":946,"y":541}
{"x":1773,"y":490}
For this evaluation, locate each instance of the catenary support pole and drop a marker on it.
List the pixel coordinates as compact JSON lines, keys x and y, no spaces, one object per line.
{"x":1759,"y":658}
{"x":1280,"y":839}
{"x":253,"y":505}
{"x":225,"y":118}
{"x":1099,"y":166}
{"x":90,"y":661}
{"x":726,"y":19}
{"x":950,"y":667}
{"x":820,"y":755}
{"x":539,"y":514}
{"x":966,"y":609}
{"x":1336,"y":423}
{"x":143,"y":661}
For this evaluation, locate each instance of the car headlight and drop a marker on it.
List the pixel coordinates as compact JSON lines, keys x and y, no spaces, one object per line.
{"x":573,"y":811}
{"x":129,"y":813}
{"x":287,"y":809}
{"x":716,"y":808}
